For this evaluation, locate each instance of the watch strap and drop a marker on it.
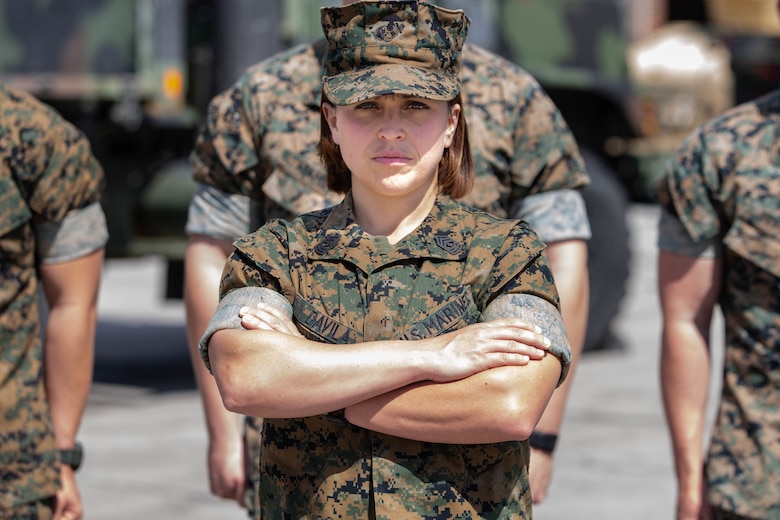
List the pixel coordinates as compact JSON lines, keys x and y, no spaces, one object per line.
{"x":73,"y":456}
{"x":543,"y":441}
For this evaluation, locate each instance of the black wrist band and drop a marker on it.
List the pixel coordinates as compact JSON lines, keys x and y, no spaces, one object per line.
{"x":73,"y":456}
{"x":543,"y":441}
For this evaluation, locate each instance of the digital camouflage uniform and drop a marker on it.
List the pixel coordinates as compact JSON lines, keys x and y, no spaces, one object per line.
{"x":345,"y":286}
{"x":724,"y":186}
{"x":256,"y":156}
{"x":50,"y":186}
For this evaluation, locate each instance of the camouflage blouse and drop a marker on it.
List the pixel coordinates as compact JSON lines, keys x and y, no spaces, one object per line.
{"x":345,"y":286}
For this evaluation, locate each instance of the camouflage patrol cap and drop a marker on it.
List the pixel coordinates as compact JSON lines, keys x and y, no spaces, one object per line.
{"x":392,"y":47}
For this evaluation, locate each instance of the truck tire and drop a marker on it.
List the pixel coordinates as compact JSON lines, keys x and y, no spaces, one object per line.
{"x":609,"y":252}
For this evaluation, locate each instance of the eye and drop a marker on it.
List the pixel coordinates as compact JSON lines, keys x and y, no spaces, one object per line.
{"x":366,"y":105}
{"x":416,"y":104}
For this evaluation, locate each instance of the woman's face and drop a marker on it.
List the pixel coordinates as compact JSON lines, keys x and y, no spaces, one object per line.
{"x":392,"y":144}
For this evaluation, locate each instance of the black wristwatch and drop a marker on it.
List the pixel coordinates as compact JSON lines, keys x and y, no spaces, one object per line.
{"x":73,"y":456}
{"x":543,"y":441}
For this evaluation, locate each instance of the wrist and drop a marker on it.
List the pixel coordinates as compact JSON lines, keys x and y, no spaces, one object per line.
{"x":72,"y":457}
{"x":543,"y":441}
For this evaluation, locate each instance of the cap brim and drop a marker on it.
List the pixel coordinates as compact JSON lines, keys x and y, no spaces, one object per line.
{"x":355,"y":86}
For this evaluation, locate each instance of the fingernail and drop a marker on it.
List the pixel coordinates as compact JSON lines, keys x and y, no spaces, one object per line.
{"x":547,"y":341}
{"x":538,"y":329}
{"x":243,"y":310}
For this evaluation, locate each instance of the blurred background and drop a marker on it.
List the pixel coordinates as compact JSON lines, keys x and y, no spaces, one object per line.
{"x":631,"y":77}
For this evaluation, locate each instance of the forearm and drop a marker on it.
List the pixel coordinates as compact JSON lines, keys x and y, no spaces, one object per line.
{"x":688,"y":290}
{"x":490,"y":406}
{"x":252,"y":366}
{"x":222,"y":424}
{"x":496,"y":405}
{"x":267,"y":373}
{"x":71,"y":290}
{"x":69,"y":359}
{"x":265,"y":367}
{"x":204,"y":261}
{"x":685,"y":369}
{"x":569,"y":263}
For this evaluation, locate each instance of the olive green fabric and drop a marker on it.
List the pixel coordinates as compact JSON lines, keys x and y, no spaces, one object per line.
{"x":401,"y":47}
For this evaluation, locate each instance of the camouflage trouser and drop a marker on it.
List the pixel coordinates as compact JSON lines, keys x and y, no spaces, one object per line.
{"x":252,"y":439}
{"x":40,"y":510}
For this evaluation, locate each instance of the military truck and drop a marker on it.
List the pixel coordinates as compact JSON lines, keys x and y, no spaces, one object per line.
{"x":136,"y":75}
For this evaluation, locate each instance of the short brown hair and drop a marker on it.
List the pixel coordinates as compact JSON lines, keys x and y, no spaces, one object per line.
{"x":456,"y":167}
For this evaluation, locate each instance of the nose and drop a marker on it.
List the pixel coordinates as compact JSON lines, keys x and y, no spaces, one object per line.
{"x":391,"y":126}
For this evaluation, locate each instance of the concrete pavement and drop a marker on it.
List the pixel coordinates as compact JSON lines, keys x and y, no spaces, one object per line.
{"x":145,"y":439}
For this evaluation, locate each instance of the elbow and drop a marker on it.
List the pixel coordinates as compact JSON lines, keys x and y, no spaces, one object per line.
{"x":229,"y":390}
{"x":519,"y":420}
{"x":236,"y":393}
{"x":520,"y":432}
{"x":245,"y":393}
{"x":235,"y":404}
{"x":519,"y":411}
{"x":243,"y":400}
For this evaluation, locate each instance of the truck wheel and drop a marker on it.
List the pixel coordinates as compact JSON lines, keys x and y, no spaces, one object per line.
{"x":609,"y":253}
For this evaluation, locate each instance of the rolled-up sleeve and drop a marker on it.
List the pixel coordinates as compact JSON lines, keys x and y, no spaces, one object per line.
{"x":80,"y":233}
{"x":227,"y":313}
{"x":218,"y":214}
{"x":555,"y":215}
{"x":539,"y":312}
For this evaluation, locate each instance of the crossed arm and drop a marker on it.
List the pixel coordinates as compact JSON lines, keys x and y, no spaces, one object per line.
{"x":468,"y":386}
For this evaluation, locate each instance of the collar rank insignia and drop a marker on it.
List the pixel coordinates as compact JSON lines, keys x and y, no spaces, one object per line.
{"x":328,"y":243}
{"x":448,"y":244}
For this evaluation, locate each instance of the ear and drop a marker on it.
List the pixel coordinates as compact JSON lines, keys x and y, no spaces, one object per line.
{"x":329,"y":111}
{"x":452,"y":124}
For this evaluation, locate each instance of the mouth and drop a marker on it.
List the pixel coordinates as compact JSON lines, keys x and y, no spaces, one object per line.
{"x":391,"y":158}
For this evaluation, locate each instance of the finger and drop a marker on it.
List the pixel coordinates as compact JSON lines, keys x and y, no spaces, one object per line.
{"x":277,"y":318}
{"x":511,"y":352}
{"x":532,"y":352}
{"x":272,"y":310}
{"x":259,"y":316}
{"x":535,"y":339}
{"x":257,"y":320}
{"x":530,"y":339}
{"x":262,"y":314}
{"x":251,"y":322}
{"x":509,"y":359}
